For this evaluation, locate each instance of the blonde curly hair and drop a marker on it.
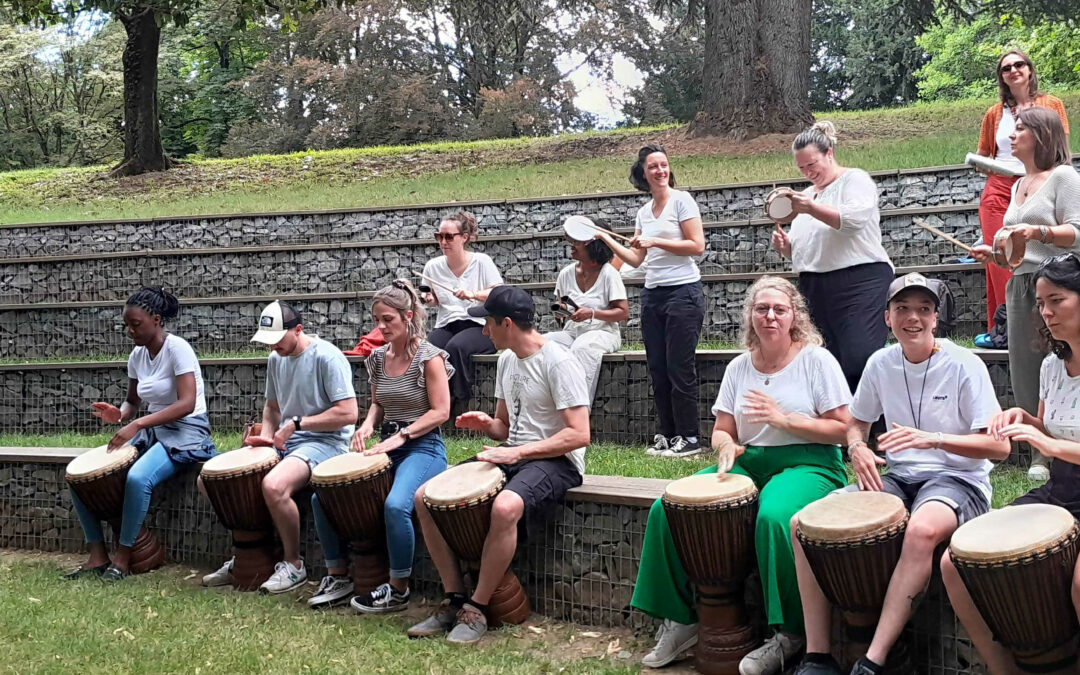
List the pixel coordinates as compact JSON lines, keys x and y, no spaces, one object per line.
{"x":802,"y":328}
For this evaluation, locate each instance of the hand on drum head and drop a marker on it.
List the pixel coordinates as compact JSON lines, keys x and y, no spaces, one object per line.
{"x":123,"y":437}
{"x":727,"y":453}
{"x":259,"y":441}
{"x":865,"y":464}
{"x":474,"y":420}
{"x":106,"y":412}
{"x":499,"y":454}
{"x":901,"y":438}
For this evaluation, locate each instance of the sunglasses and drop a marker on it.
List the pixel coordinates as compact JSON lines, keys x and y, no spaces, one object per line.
{"x":440,"y":236}
{"x":401,"y":285}
{"x":1007,"y":68}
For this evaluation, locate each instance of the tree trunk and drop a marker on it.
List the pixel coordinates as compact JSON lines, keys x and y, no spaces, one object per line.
{"x":142,"y":129}
{"x":756,"y":74}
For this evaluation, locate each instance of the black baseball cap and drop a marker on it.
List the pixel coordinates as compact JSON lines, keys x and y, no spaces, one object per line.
{"x":507,"y":302}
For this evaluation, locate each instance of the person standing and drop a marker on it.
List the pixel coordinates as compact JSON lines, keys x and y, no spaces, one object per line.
{"x":1018,"y":89}
{"x":834,"y":245}
{"x":667,"y":238}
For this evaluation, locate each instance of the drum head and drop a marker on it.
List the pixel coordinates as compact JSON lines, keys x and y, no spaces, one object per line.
{"x":1011,"y":532}
{"x":778,"y":206}
{"x":1009,"y":247}
{"x":709,"y":488}
{"x":847,"y":516}
{"x":100,"y":462}
{"x":579,"y":228}
{"x":464,"y":483}
{"x":236,"y":462}
{"x":348,"y":467}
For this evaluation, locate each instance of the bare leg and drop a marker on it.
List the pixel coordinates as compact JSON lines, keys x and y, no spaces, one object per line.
{"x":99,"y":555}
{"x":817,"y":611}
{"x":122,"y":557}
{"x":444,"y":559}
{"x":278,"y":486}
{"x":998,"y":660}
{"x":931,"y":524}
{"x":500,"y":544}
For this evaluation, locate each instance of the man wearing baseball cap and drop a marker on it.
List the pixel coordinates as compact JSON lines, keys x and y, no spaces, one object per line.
{"x":308,"y":417}
{"x":542,"y":419}
{"x":938,"y":400}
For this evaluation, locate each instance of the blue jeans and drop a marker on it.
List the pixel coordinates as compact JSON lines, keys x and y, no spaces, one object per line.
{"x":150,"y":470}
{"x":413,"y":464}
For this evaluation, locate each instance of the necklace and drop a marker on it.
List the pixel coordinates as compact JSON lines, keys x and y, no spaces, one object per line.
{"x":1030,"y":182}
{"x":768,"y":376}
{"x":903,"y":363}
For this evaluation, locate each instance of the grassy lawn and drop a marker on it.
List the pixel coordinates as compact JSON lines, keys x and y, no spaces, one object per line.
{"x":164,"y":622}
{"x":1009,"y":482}
{"x":914,"y":136}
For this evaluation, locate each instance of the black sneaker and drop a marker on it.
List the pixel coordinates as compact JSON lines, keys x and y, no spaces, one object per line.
{"x":382,"y":600}
{"x":680,"y":447}
{"x":659,"y":445}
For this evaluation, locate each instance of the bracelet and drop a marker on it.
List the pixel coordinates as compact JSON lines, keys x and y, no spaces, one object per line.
{"x":1045,"y":234}
{"x":593,"y":316}
{"x":852,"y":446}
{"x":940,"y":440}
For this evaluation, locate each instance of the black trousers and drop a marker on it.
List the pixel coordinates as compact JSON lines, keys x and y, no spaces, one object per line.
{"x":671,"y":318}
{"x":848,"y":307}
{"x":462,"y":339}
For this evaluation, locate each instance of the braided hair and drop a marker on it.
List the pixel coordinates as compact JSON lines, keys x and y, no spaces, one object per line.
{"x":156,"y":301}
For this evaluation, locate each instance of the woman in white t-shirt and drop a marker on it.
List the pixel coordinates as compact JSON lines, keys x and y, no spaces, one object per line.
{"x":471,"y":275}
{"x":1054,"y":431}
{"x":781,"y":415}
{"x":834,"y":245}
{"x":597,"y":289}
{"x":163,"y":372}
{"x":668,"y":236}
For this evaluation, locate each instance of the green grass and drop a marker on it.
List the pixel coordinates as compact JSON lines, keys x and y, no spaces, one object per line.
{"x":163,"y":623}
{"x":602,"y":459}
{"x":914,"y":136}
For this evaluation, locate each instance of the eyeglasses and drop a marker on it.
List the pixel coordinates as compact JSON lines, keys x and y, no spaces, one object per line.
{"x":779,"y":311}
{"x":1007,"y":68}
{"x":448,"y":236}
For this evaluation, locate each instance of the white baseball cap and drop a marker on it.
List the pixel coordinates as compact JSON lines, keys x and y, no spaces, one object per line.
{"x":275,"y":321}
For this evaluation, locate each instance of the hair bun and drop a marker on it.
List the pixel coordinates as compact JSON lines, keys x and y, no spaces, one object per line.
{"x":828,"y":129}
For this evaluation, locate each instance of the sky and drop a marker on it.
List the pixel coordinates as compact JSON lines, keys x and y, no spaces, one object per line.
{"x":602,"y":97}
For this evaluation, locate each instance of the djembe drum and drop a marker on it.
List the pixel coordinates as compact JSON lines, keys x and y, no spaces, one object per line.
{"x":712,"y":519}
{"x":1017,"y":564}
{"x":352,"y":490}
{"x":852,"y":541}
{"x":98,"y":477}
{"x":233,"y":482}
{"x":459,"y":501}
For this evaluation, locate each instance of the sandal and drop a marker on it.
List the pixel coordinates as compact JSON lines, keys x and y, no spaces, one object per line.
{"x":84,"y":571}
{"x":114,"y":573}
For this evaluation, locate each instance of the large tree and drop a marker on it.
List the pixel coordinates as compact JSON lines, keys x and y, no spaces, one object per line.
{"x":143,"y":21}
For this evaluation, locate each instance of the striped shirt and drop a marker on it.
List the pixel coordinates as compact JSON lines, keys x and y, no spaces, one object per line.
{"x":404,"y":398}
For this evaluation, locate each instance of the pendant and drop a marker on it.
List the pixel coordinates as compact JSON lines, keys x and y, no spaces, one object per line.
{"x":766,"y":381}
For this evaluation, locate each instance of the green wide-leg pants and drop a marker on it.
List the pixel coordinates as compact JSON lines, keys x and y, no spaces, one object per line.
{"x":788,"y":478}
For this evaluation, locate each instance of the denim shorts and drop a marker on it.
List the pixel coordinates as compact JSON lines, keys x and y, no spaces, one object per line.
{"x":313,"y":451}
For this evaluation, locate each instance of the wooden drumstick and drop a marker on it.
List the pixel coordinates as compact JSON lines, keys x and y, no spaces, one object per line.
{"x":947,"y":237}
{"x":613,"y":234}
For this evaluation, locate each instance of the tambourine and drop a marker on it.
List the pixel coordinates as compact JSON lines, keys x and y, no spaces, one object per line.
{"x":779,"y":207}
{"x":1008,"y":249}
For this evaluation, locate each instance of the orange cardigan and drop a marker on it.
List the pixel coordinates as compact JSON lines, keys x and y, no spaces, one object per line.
{"x":987,"y":142}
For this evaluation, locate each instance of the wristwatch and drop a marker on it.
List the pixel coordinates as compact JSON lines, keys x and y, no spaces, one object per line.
{"x":296,"y":422}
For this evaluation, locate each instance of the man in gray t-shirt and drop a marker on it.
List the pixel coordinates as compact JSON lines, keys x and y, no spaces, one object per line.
{"x":542,"y":416}
{"x":309,"y":417}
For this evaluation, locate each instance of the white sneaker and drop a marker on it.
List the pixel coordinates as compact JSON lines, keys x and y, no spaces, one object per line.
{"x":773,"y":656}
{"x":659,"y":445}
{"x":222,"y":577}
{"x":1039,"y":472}
{"x":285,"y":578}
{"x":673,"y":640}
{"x":332,"y":590}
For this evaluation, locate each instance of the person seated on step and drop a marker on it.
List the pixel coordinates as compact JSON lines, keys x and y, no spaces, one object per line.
{"x":410,"y":399}
{"x":542,"y":419}
{"x":308,"y":417}
{"x":164,"y":372}
{"x":1055,"y":432}
{"x":937,"y":452}
{"x":598,"y":297}
{"x":459,"y":279}
{"x":781,"y":415}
